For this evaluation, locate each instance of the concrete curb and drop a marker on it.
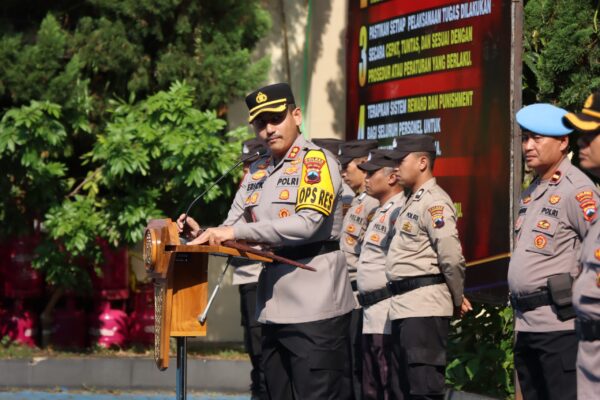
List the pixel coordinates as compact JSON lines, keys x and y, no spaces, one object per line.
{"x":123,"y":374}
{"x":137,"y":374}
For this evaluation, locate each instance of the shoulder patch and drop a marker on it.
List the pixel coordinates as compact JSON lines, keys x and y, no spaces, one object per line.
{"x":316,"y":187}
{"x":587,"y":204}
{"x":437,"y":216}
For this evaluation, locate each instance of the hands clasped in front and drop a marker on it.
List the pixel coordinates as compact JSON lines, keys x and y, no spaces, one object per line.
{"x":210,"y":236}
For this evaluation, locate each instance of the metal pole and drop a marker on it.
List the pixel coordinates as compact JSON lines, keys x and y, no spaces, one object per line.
{"x":181,"y":393}
{"x":202,"y":317}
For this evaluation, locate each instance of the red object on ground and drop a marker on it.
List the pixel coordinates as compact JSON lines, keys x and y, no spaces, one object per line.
{"x":22,"y":325}
{"x":108,"y":326}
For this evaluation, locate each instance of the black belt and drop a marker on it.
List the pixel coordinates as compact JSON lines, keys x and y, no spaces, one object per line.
{"x":587,"y":329}
{"x":531,"y":301}
{"x":415,"y":282}
{"x":373,"y":297}
{"x":307,"y":250}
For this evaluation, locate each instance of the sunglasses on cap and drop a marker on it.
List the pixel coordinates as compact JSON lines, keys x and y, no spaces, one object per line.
{"x":261,"y":121}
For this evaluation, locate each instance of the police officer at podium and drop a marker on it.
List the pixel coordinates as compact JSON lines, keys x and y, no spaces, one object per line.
{"x":555,"y":214}
{"x":292,"y":204}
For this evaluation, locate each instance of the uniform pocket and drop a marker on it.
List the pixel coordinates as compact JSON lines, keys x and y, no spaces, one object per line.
{"x":408,"y":230}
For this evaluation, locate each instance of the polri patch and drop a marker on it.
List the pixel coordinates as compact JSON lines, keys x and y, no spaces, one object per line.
{"x":437,"y":216}
{"x":316,"y":187}
{"x":587,"y":204}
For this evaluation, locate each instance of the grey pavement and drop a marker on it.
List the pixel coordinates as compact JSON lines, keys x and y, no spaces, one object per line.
{"x":20,"y":378}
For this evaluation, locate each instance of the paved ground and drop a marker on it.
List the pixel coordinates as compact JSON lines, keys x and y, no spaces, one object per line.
{"x":72,"y":395}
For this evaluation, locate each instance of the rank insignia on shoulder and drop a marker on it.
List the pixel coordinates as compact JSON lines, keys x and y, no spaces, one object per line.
{"x":259,"y":174}
{"x":554,"y":199}
{"x":294,"y":152}
{"x":419,"y":194}
{"x":597,"y":254}
{"x":527,"y":200}
{"x":374,"y":238}
{"x":556,"y":177}
{"x":284,"y":194}
{"x":540,"y":241}
{"x":284,"y":213}
{"x":437,"y":216}
{"x":543,"y":224}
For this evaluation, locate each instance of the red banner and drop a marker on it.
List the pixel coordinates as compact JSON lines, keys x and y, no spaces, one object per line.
{"x":442,"y":68}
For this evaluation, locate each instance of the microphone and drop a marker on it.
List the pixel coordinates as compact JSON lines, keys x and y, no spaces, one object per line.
{"x":252,"y":157}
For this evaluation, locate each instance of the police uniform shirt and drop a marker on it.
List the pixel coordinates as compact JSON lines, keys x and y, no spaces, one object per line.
{"x":273,"y":193}
{"x":371,"y":263}
{"x":554,"y":217}
{"x":244,"y":271}
{"x":586,"y":301}
{"x":426,"y":242}
{"x":355,"y":222}
{"x":348,"y":196}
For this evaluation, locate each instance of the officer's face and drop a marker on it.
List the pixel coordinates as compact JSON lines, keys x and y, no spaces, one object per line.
{"x":379,"y":183}
{"x":354,"y":176}
{"x":410,"y":169}
{"x":278,"y":130}
{"x":543,"y":152}
{"x":589,"y":152}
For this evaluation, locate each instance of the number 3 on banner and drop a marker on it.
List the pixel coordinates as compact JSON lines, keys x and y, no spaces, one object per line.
{"x":362,"y":65}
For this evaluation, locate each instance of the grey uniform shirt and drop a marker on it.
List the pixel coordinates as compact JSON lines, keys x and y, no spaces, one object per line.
{"x":287,"y":294}
{"x":586,"y":300}
{"x":355,"y":222}
{"x":426,"y":242}
{"x":371,"y":263}
{"x":551,"y":225}
{"x":244,"y":271}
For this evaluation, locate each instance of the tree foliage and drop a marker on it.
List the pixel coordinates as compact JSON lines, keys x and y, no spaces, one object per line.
{"x":561,"y":52}
{"x":106,"y":117}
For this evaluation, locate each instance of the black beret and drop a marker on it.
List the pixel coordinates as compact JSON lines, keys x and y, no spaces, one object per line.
{"x":404,"y":145}
{"x":271,"y":98}
{"x":378,"y":159}
{"x":356,"y":149}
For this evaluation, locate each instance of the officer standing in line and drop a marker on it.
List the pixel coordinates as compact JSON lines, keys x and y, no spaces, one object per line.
{"x":425,"y":268}
{"x":245,"y":276}
{"x":554,"y":216}
{"x":334,"y":145}
{"x":586,"y":289}
{"x":351,"y":155}
{"x":374,"y":296}
{"x":292,"y":203}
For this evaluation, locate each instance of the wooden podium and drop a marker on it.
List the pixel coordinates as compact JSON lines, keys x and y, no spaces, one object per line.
{"x":180,"y":276}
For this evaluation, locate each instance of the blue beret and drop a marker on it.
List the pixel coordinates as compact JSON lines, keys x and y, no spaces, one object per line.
{"x":543,"y":119}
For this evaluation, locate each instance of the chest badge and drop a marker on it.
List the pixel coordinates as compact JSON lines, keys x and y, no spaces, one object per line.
{"x":597,"y":254}
{"x":374,"y":238}
{"x":284,"y":213}
{"x":291,"y":170}
{"x":284,"y":194}
{"x":554,"y":199}
{"x":540,"y":241}
{"x":359,"y":209}
{"x":350,"y":241}
{"x":407,"y":227}
{"x":351,"y":228}
{"x":543,"y":224}
{"x":252,"y":199}
{"x":259,"y":174}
